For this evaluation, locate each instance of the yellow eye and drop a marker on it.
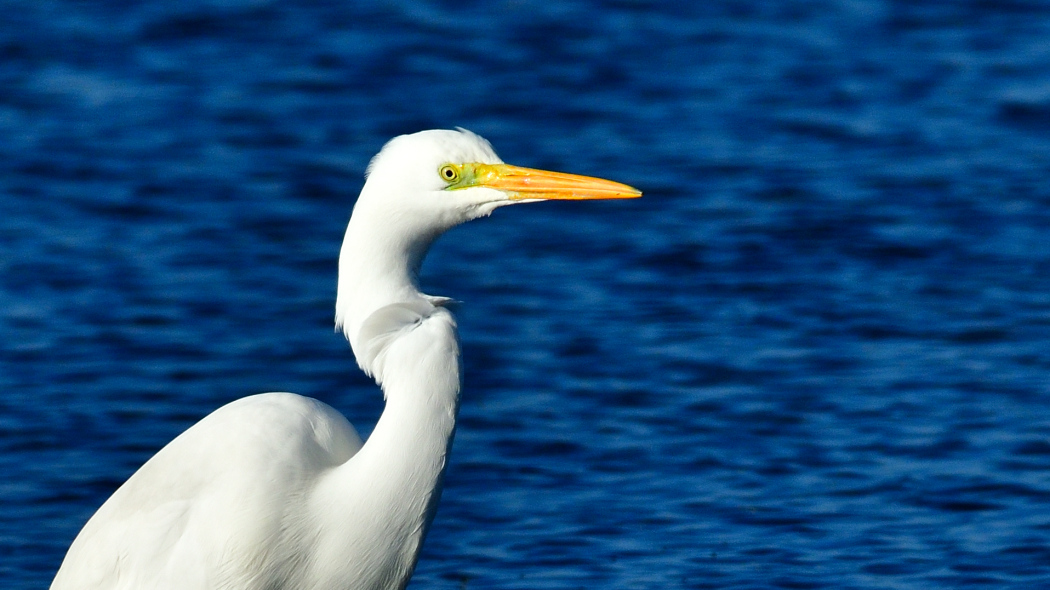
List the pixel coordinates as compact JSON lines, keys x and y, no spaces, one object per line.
{"x":449,"y":173}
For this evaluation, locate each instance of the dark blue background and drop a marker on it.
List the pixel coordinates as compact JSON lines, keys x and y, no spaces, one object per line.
{"x":814,"y":355}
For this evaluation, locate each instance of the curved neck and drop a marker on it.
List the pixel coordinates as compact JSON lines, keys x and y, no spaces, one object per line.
{"x":391,"y":487}
{"x":377,"y":267}
{"x":408,"y":343}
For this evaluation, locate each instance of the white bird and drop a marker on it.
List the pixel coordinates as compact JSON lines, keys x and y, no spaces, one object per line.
{"x":276,"y":491}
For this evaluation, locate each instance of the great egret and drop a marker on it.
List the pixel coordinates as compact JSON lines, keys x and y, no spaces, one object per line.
{"x":277,"y":491}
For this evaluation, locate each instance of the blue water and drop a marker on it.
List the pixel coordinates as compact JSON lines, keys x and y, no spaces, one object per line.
{"x":815,"y":355}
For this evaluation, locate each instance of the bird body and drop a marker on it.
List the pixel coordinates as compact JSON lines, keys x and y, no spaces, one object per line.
{"x":232,"y":472}
{"x":277,"y":491}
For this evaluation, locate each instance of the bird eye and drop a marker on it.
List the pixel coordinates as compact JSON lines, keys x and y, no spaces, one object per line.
{"x":449,"y":173}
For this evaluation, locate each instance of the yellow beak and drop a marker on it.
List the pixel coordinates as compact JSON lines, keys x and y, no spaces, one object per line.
{"x":527,"y":183}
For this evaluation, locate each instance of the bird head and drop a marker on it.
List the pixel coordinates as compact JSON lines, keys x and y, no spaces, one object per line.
{"x":444,"y":177}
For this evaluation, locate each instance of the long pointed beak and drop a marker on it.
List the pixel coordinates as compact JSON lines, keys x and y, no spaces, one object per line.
{"x":527,"y":183}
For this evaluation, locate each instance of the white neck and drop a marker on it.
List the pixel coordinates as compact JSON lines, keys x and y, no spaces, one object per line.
{"x":389,"y":490}
{"x":376,"y":268}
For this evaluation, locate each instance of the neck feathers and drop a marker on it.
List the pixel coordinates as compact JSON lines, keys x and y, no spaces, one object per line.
{"x":378,"y":267}
{"x":404,"y":339}
{"x":411,"y":350}
{"x":411,"y":346}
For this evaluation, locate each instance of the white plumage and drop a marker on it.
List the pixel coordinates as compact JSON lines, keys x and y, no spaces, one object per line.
{"x":276,"y":491}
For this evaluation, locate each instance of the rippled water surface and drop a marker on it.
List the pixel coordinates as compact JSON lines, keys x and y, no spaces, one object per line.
{"x":815,"y":355}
